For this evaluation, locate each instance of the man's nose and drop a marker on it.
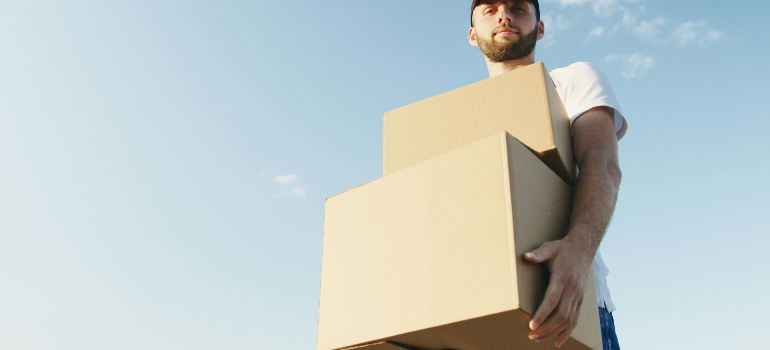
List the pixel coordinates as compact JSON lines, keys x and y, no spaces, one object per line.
{"x":505,"y":16}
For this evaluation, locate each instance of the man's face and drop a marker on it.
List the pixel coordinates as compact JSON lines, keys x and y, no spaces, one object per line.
{"x":505,"y":30}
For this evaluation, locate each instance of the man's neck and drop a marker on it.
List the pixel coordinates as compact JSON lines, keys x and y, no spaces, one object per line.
{"x":497,"y":68}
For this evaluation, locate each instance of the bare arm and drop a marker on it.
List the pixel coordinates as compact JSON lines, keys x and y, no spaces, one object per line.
{"x":569,"y":259}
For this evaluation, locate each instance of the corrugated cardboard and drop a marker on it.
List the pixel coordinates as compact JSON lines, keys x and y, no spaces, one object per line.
{"x":378,"y":346}
{"x":523,"y":102}
{"x":431,"y":257}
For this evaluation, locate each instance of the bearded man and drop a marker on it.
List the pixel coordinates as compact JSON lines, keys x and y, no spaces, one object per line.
{"x":507,"y":32}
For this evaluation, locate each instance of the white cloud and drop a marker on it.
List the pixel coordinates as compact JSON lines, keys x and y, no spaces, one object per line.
{"x":650,"y":30}
{"x":656,"y":30}
{"x":596,"y":32}
{"x":556,"y":24}
{"x":286,"y":179}
{"x":300,"y":191}
{"x":568,"y":2}
{"x":605,"y":8}
{"x":714,"y":35}
{"x":628,"y":20}
{"x":638,"y":66}
{"x":279,"y":181}
{"x":690,"y":32}
{"x":602,"y":8}
{"x":686,"y":33}
{"x":635,"y":66}
{"x":553,"y":26}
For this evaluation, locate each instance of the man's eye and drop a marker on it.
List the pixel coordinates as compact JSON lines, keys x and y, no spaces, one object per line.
{"x":488,"y":11}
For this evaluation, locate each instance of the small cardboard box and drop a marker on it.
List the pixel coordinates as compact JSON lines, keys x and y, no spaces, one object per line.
{"x":523,"y":102}
{"x":431,"y":257}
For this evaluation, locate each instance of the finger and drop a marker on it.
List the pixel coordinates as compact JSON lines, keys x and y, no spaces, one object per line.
{"x":554,"y":332}
{"x":560,"y":319}
{"x":565,"y":334}
{"x":544,"y":253}
{"x":552,"y":296}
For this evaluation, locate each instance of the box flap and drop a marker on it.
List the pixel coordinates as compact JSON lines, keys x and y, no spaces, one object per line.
{"x":562,"y":130}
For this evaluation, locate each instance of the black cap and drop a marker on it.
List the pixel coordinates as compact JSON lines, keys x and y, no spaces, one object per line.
{"x":534,"y":2}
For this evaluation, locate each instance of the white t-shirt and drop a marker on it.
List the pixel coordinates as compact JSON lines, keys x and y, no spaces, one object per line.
{"x":582,"y":86}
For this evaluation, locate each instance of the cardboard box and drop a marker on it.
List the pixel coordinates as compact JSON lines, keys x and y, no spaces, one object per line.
{"x":523,"y":102}
{"x":431,"y":257}
{"x":378,"y":346}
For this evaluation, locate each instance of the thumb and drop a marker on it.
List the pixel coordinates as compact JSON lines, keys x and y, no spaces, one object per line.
{"x":539,"y":255}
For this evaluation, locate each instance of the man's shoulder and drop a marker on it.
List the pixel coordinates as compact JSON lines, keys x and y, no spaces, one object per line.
{"x":577,"y":70}
{"x":583,"y":86}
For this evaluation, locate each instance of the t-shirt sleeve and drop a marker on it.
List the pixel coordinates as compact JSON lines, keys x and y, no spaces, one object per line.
{"x":586,"y":87}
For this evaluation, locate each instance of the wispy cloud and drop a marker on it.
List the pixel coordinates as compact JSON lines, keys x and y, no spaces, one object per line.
{"x":634,"y":66}
{"x":300,"y":191}
{"x":553,"y":26}
{"x":691,"y":32}
{"x":285,"y":179}
{"x":568,"y":2}
{"x":649,"y":30}
{"x":605,"y":8}
{"x":267,"y":173}
{"x":627,"y":21}
{"x":281,"y":181}
{"x":558,"y":23}
{"x":628,"y":16}
{"x":602,"y":8}
{"x":596,"y":32}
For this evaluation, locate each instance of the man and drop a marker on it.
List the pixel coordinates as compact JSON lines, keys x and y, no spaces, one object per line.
{"x":506,"y":32}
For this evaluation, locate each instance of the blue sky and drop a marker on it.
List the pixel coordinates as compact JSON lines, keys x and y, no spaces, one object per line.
{"x":164,"y":164}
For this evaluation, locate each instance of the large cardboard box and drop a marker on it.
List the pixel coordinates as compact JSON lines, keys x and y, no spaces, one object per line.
{"x":431,"y":257}
{"x":378,"y":346}
{"x":523,"y":102}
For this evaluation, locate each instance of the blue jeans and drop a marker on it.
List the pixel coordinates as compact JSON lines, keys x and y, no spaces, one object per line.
{"x":609,"y":338}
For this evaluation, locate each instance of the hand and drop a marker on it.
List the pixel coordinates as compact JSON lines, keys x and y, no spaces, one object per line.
{"x":568,"y":262}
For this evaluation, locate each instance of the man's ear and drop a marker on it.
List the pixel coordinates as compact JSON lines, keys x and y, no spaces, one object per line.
{"x":472,"y":37}
{"x":540,"y":29}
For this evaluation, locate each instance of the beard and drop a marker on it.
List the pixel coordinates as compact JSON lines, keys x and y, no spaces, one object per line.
{"x":501,"y":51}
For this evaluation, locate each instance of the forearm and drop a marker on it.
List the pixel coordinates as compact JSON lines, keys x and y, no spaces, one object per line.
{"x":569,"y":260}
{"x":595,"y":147}
{"x":595,"y":196}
